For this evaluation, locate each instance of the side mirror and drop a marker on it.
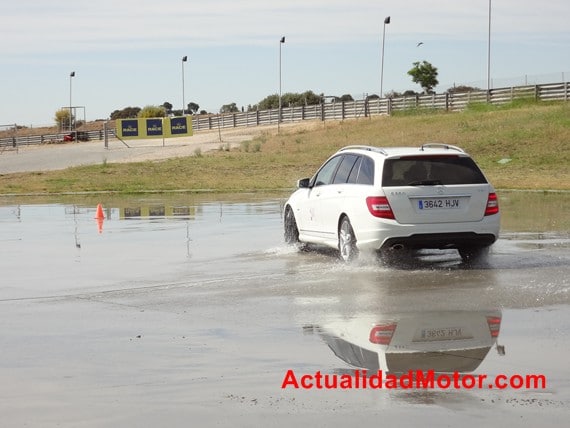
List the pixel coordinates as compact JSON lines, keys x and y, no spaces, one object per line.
{"x":303,"y":183}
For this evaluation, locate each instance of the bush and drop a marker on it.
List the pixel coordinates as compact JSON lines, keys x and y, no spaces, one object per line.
{"x":152,"y":111}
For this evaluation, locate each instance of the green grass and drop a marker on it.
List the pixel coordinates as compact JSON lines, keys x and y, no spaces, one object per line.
{"x":534,"y":136}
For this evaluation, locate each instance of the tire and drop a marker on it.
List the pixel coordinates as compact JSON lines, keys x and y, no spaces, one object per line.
{"x":471,"y":255}
{"x":346,"y":241}
{"x":290,"y":224}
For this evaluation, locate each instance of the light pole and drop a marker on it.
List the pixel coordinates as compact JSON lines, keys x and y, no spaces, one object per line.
{"x":71,"y":76}
{"x":386,"y":21}
{"x":281,"y":41}
{"x":184,"y":59}
{"x":489,"y":57}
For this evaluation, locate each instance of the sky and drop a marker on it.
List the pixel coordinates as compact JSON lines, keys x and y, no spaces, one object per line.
{"x":129,"y":52}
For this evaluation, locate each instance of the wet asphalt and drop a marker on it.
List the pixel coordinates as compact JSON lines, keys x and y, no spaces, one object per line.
{"x":191,"y":308}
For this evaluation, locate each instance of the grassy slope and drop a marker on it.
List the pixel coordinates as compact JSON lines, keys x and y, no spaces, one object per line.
{"x":536,"y":137}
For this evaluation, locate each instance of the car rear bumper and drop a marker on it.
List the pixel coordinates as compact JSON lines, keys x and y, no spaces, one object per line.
{"x":441,"y":240}
{"x":381,"y":234}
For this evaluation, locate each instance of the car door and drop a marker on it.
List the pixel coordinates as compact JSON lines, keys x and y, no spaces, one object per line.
{"x":334,"y":196}
{"x":320,"y":199}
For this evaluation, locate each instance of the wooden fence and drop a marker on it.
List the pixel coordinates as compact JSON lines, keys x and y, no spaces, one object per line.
{"x":366,"y":108}
{"x":339,"y":110}
{"x":24,"y":140}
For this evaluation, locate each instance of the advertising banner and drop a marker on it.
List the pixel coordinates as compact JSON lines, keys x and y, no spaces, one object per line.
{"x":179,"y":126}
{"x":160,"y":127}
{"x":153,"y":127}
{"x":128,"y":128}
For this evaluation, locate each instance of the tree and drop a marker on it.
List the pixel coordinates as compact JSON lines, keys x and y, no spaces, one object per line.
{"x":306,"y":98}
{"x":425,"y":74}
{"x":289,"y":99}
{"x":346,"y":98}
{"x":229,"y":108}
{"x":462,"y":88}
{"x":167,"y":107}
{"x":126,"y":113}
{"x":269,"y":102}
{"x":152,"y":111}
{"x":62,"y":118}
{"x":193,"y":108}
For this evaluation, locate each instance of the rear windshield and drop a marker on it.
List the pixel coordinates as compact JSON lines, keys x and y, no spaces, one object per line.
{"x":431,"y":170}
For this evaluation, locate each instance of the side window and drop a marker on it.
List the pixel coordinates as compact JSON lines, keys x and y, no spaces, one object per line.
{"x":362,"y":172}
{"x":344,"y":169}
{"x":326,"y":173}
{"x":353,"y":177}
{"x":366,"y":173}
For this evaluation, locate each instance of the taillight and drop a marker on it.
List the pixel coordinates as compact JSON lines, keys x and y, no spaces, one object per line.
{"x":382,"y":334}
{"x":494,"y":325}
{"x":492,"y":204}
{"x":379,"y":207}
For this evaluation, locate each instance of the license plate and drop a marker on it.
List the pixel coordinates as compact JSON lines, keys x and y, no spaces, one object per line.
{"x":438,"y":204}
{"x":441,"y":334}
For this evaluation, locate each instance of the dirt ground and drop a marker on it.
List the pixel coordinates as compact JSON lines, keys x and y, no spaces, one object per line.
{"x":60,"y":156}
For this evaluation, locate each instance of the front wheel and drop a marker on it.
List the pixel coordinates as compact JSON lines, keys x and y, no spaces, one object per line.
{"x":291,"y":230}
{"x":346,"y":241}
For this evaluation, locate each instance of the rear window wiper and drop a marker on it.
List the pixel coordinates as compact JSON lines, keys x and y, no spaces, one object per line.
{"x":426,"y":183}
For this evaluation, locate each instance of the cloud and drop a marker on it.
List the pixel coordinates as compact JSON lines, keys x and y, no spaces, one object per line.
{"x":63,"y":26}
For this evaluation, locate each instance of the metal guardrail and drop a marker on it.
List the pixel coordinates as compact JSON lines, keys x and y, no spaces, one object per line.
{"x":339,"y":110}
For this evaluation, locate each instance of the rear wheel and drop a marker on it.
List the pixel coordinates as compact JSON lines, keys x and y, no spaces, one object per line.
{"x":346,"y":241}
{"x":291,"y":230}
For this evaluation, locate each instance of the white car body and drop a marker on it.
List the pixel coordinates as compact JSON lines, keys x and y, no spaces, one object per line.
{"x":428,"y":214}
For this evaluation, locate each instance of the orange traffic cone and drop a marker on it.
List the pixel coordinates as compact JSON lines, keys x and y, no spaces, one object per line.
{"x":99,"y":214}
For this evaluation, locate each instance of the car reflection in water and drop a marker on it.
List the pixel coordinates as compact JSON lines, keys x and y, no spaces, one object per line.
{"x":442,"y":341}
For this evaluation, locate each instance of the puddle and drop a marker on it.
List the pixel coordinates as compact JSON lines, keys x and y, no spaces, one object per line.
{"x":192,"y":306}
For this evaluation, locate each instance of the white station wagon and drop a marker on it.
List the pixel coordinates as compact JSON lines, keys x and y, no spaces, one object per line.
{"x":393,"y":199}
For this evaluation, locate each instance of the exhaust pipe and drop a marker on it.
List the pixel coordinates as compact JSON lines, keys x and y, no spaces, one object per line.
{"x":397,"y":247}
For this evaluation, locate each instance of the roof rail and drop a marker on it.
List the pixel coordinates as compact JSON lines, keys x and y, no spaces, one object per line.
{"x":445,"y":146}
{"x":369,"y":148}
